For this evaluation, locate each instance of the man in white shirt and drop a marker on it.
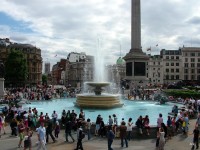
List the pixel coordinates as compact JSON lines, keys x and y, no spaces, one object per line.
{"x":54,"y":117}
{"x":41,"y":132}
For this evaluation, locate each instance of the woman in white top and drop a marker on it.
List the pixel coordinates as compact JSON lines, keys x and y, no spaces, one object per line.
{"x":162,"y":139}
{"x":129,"y":128}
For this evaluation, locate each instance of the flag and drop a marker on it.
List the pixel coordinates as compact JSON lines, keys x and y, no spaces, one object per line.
{"x":149,"y":49}
{"x":156,"y":45}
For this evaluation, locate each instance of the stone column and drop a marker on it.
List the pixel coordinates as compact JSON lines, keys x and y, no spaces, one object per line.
{"x":135,"y":26}
{"x":1,"y":87}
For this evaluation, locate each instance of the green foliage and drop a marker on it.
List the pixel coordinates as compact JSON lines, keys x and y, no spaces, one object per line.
{"x":183,"y":93}
{"x":16,"y":68}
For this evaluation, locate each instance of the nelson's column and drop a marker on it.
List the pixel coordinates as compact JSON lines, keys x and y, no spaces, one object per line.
{"x":136,"y":59}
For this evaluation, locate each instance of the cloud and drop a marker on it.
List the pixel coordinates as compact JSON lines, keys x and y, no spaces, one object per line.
{"x":64,"y":26}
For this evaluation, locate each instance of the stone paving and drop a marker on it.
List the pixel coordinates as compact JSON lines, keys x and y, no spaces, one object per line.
{"x":178,"y":142}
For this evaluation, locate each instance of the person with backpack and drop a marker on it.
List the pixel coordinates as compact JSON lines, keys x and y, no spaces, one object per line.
{"x":81,"y":135}
{"x":110,"y":136}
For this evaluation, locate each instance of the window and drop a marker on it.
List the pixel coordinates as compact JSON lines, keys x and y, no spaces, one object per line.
{"x":172,"y":57}
{"x":192,"y":71}
{"x":186,"y":54}
{"x":172,"y":64}
{"x":198,"y":64}
{"x":167,"y":57}
{"x":186,"y":65}
{"x":154,"y":63}
{"x":167,"y":70}
{"x":177,"y":70}
{"x":172,"y":70}
{"x":186,"y":77}
{"x":177,"y":77}
{"x":172,"y":77}
{"x":198,"y":59}
{"x":192,"y":65}
{"x":192,"y":60}
{"x":158,"y":63}
{"x":192,"y":77}
{"x":198,"y":77}
{"x":186,"y":70}
{"x":154,"y":69}
{"x":186,"y":59}
{"x":167,"y":64}
{"x":177,"y":64}
{"x":167,"y":77}
{"x":177,"y":57}
{"x":198,"y":54}
{"x":192,"y":54}
{"x":198,"y":70}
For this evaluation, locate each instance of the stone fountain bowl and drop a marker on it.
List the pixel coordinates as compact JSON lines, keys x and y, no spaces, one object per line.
{"x":98,"y":84}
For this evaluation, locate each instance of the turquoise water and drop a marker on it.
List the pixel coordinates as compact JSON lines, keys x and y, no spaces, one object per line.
{"x":131,"y":109}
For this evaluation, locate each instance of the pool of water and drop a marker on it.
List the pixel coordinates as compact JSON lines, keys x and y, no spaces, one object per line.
{"x":131,"y":109}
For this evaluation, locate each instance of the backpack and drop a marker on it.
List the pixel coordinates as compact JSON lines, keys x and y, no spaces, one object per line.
{"x":82,"y":135}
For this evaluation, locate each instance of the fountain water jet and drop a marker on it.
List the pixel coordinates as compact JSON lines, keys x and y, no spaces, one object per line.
{"x":98,"y":99}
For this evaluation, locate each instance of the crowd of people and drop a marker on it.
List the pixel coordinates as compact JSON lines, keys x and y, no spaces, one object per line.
{"x":23,"y":123}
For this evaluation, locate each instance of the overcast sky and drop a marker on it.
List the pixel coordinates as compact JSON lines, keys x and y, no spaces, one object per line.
{"x":58,"y":27}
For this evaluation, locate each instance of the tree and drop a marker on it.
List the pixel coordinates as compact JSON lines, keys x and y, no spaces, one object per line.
{"x":16,"y":68}
{"x":44,"y":79}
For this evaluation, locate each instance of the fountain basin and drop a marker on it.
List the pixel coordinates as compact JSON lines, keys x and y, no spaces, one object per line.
{"x":98,"y":101}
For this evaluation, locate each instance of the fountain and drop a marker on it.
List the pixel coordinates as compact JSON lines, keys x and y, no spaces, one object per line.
{"x":98,"y":99}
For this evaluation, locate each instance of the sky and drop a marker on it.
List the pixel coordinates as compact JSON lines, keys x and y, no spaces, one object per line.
{"x":59,"y":27}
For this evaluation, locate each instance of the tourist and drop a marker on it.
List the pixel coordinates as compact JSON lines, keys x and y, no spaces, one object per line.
{"x":13,"y":126}
{"x":185,"y":124}
{"x":82,"y":114}
{"x":129,"y":128}
{"x":110,"y":136}
{"x":21,"y":129}
{"x":115,"y":124}
{"x":41,"y":132}
{"x":68,"y":129}
{"x":196,"y":137}
{"x":169,"y":127}
{"x":27,"y":142}
{"x":102,"y":131}
{"x":1,"y":124}
{"x":123,"y":136}
{"x":198,"y":120}
{"x":57,"y":129}
{"x":49,"y":129}
{"x":146,"y":124}
{"x":110,"y":121}
{"x":98,"y":120}
{"x":159,"y":120}
{"x":54,"y":117}
{"x":164,"y":127}
{"x":161,"y":139}
{"x":139,"y":124}
{"x":88,"y":128}
{"x":80,"y":136}
{"x":63,"y":118}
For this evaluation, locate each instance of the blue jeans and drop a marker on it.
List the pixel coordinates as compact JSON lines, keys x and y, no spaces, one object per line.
{"x":129,"y":135}
{"x":89,"y":134}
{"x":110,"y":144}
{"x":122,"y":142}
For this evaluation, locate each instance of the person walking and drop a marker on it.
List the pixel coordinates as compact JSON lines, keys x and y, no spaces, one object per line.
{"x":162,"y":139}
{"x":80,"y":137}
{"x":49,"y":130}
{"x":88,"y":128}
{"x":21,"y":129}
{"x":68,"y":129}
{"x":41,"y":132}
{"x":196,"y":137}
{"x":57,"y":129}
{"x":27,"y":141}
{"x":110,"y":136}
{"x":123,"y":136}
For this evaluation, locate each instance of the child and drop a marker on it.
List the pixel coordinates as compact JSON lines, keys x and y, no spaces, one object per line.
{"x":57,"y":129}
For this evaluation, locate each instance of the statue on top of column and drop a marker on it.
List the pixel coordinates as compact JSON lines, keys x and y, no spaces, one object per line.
{"x":2,"y":69}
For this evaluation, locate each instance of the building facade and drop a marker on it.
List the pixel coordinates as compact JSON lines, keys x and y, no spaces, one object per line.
{"x":32,"y":55}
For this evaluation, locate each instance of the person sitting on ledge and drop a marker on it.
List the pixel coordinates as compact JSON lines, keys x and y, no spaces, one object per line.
{"x":139,"y":124}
